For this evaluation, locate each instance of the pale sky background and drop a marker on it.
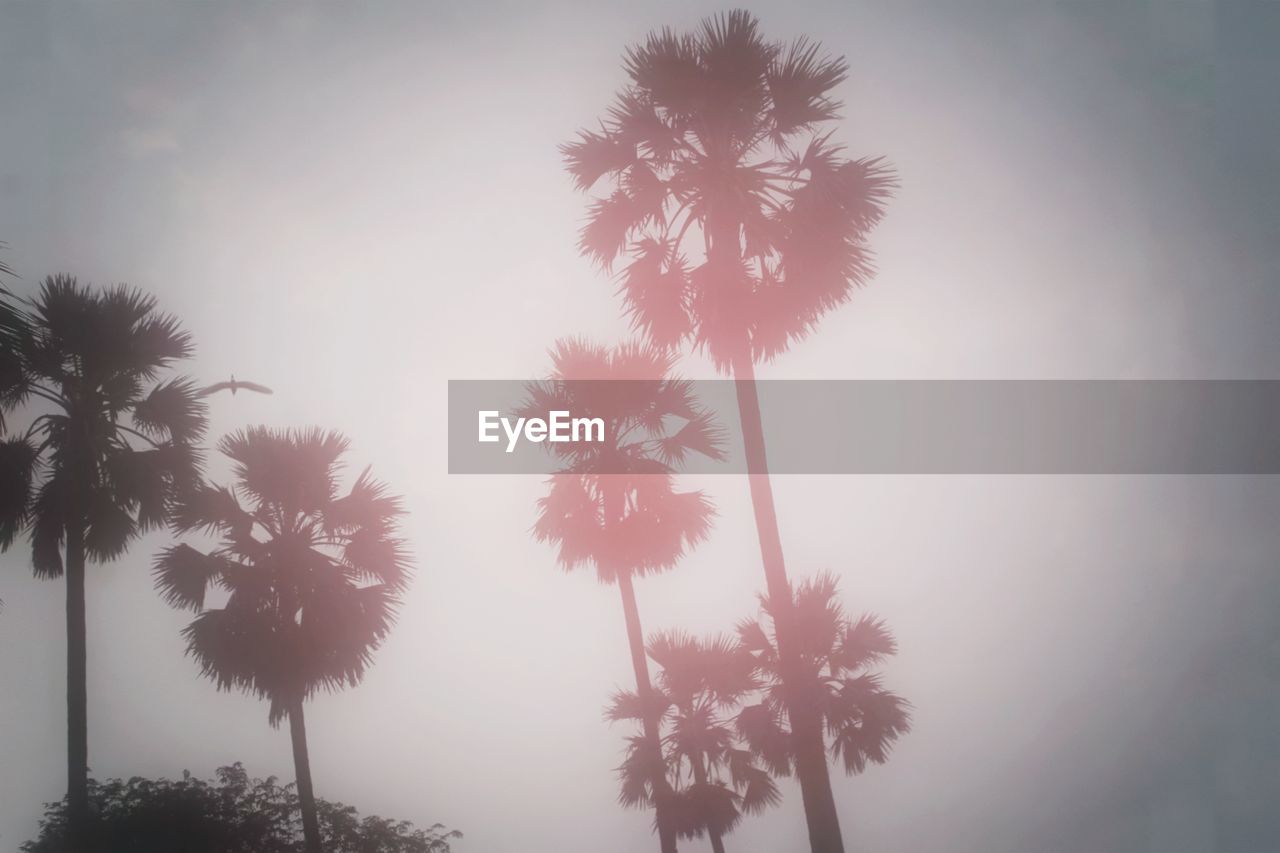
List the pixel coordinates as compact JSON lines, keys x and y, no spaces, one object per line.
{"x":353,"y":204}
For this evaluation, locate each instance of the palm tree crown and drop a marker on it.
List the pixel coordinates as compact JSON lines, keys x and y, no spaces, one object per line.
{"x":311,"y":574}
{"x":614,"y":505}
{"x":741,"y":218}
{"x":699,"y":688}
{"x":108,"y":446}
{"x":862,"y":718}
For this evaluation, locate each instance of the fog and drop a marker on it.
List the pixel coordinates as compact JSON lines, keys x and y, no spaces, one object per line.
{"x":355,"y":204}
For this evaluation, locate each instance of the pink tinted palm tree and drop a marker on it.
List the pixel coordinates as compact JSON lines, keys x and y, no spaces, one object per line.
{"x":311,"y":575}
{"x":700,"y":687}
{"x":742,"y":224}
{"x":837,"y":654}
{"x":615,"y":505}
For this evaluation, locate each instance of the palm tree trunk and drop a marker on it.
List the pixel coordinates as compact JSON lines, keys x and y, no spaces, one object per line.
{"x":806,"y":723}
{"x":644,"y":689}
{"x":77,"y":689}
{"x":302,"y":770}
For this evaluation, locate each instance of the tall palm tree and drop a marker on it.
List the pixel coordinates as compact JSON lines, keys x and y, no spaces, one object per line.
{"x":309,"y":578}
{"x":742,"y":223}
{"x":700,"y":686}
{"x":107,"y":449}
{"x":837,"y":655}
{"x":615,"y":506}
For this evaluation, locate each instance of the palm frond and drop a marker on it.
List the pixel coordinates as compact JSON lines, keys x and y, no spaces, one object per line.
{"x":735,"y":56}
{"x":593,"y":155}
{"x":668,"y":70}
{"x":865,"y":721}
{"x":48,"y":517}
{"x":761,"y":728}
{"x":137,"y":339}
{"x":627,"y":706}
{"x":703,"y":807}
{"x":701,"y":435}
{"x":110,"y":528}
{"x":863,"y":643}
{"x":373,"y":556}
{"x":800,"y":83}
{"x":369,"y":505}
{"x":15,"y":331}
{"x":183,"y":575}
{"x":211,"y":509}
{"x":610,"y":223}
{"x":18,"y":461}
{"x":637,"y":774}
{"x":295,"y":467}
{"x":636,"y":119}
{"x":173,"y":411}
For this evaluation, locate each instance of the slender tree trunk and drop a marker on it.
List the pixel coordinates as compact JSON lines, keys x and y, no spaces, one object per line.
{"x":644,"y":689}
{"x":77,"y":689}
{"x":302,"y":770}
{"x":806,"y":722}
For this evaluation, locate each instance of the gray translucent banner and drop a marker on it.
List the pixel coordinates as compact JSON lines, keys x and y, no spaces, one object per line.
{"x":929,"y":427}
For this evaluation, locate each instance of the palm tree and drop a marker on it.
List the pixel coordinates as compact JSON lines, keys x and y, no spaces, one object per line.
{"x":107,"y":450}
{"x":311,"y":578}
{"x":837,"y":654}
{"x":614,"y":505}
{"x":743,"y":223}
{"x":699,"y":687}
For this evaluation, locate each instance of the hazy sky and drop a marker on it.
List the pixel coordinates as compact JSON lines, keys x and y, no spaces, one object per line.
{"x":353,"y":204}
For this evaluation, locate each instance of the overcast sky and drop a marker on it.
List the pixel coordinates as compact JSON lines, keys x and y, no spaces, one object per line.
{"x":354,"y":203}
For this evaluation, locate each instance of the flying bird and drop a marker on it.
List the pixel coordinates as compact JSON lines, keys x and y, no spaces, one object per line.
{"x":235,"y":385}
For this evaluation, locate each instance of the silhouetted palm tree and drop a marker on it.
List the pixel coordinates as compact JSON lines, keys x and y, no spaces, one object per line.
{"x":862,"y":719}
{"x":616,"y":506}
{"x":743,"y":224}
{"x":311,"y":576}
{"x":107,"y":449}
{"x":699,"y":688}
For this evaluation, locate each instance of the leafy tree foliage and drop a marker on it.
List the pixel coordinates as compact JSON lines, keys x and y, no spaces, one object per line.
{"x":231,"y":814}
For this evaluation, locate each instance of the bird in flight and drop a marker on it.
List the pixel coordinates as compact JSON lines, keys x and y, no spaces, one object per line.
{"x":235,"y":385}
